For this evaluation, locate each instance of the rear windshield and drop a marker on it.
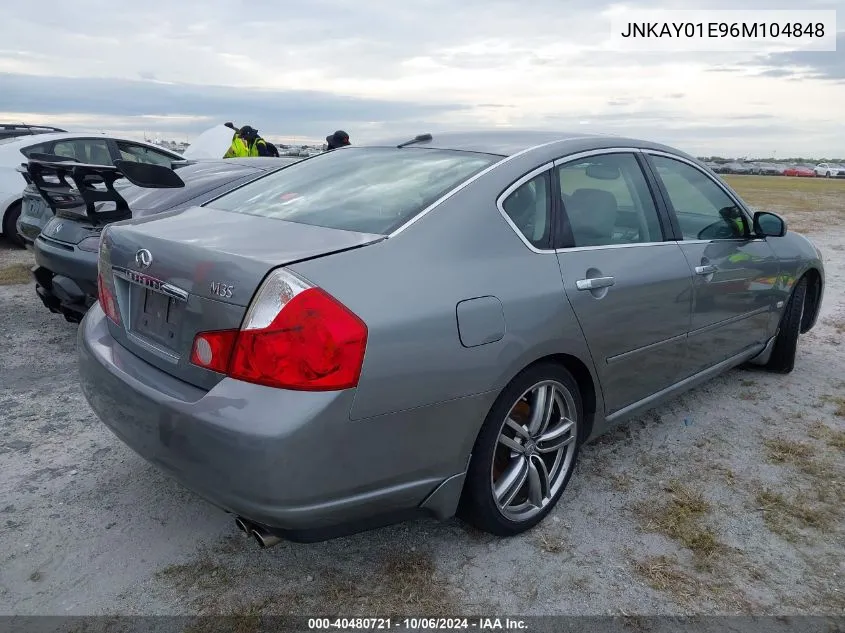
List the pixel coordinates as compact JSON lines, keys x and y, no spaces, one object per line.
{"x":369,"y":190}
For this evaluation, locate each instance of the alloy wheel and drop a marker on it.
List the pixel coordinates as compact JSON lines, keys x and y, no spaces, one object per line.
{"x":534,"y":451}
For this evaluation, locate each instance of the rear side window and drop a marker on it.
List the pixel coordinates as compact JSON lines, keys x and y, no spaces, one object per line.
{"x":89,"y":150}
{"x":370,"y":190}
{"x":529,"y":207}
{"x":33,"y":149}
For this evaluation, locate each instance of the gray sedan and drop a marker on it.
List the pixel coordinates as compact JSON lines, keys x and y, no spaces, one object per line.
{"x":431,"y":326}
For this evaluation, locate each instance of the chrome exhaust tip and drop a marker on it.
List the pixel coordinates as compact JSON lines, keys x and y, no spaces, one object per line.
{"x":243,"y":525}
{"x":265,"y":539}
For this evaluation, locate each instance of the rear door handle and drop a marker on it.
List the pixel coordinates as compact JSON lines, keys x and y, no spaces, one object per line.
{"x":594,"y":283}
{"x":705,"y":270}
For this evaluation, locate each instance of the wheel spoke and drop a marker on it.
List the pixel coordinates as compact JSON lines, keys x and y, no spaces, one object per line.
{"x":510,"y":443}
{"x":518,"y":428}
{"x":538,"y":481}
{"x":557,"y":438}
{"x":511,"y":481}
{"x":541,"y":410}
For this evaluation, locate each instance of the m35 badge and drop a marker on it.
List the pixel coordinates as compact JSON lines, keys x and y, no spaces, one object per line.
{"x":222,"y":290}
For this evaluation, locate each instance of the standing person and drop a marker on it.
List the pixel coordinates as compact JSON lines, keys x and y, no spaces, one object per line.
{"x":247,"y":142}
{"x":336,"y":140}
{"x":256,"y":145}
{"x":239,"y":147}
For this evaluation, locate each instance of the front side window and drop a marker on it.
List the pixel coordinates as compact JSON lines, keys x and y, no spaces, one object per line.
{"x":369,"y":190}
{"x":703,"y":209}
{"x":607,"y":201}
{"x":142,"y":154}
{"x":528,"y":207}
{"x":89,"y":151}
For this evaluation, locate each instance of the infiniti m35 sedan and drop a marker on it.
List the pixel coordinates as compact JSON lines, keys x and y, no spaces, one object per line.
{"x":432,"y":325}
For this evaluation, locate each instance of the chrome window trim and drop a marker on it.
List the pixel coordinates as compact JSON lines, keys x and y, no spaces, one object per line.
{"x":595,"y":152}
{"x":500,"y":205}
{"x":739,"y":203}
{"x":546,"y":167}
{"x":725,"y":239}
{"x":468,"y":182}
{"x":576,"y":249}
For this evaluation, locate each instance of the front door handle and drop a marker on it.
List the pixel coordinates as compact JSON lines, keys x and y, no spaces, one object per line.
{"x":595,"y":283}
{"x":705,"y":270}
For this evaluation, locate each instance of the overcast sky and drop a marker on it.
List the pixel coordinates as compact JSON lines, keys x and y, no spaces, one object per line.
{"x":385,"y":67}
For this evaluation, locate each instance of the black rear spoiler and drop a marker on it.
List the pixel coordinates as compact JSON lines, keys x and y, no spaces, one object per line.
{"x":50,"y":175}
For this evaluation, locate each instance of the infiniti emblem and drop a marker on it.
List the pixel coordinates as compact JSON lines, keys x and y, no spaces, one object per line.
{"x":143,"y":258}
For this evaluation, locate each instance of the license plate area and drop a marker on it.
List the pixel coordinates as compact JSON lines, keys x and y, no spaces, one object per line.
{"x":35,"y":208}
{"x":155,"y":316}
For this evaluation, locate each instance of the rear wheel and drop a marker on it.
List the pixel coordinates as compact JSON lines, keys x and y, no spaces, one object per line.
{"x":10,"y":224}
{"x":525,"y":453}
{"x":786,"y":343}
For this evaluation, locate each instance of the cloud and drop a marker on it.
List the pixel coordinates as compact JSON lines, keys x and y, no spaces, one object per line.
{"x":193,"y":108}
{"x":828,"y":66}
{"x":381,"y":66}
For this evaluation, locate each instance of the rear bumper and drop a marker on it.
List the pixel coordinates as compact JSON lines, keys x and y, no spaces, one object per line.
{"x":290,"y":461}
{"x":28,"y":229}
{"x":65,"y":277}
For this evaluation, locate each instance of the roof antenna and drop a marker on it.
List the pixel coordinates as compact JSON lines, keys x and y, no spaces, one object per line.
{"x":420,"y":138}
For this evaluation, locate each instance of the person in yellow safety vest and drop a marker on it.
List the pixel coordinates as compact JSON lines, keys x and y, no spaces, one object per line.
{"x":238,"y":148}
{"x":247,"y":142}
{"x":256,"y":146}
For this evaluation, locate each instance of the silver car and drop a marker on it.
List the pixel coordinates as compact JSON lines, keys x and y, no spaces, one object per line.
{"x":431,"y":326}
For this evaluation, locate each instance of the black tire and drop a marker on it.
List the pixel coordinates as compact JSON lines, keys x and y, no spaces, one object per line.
{"x":10,"y":225}
{"x":478,"y":506}
{"x":782,"y":360}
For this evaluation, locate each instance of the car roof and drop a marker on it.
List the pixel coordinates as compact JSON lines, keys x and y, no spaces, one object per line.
{"x":261,"y":162}
{"x":35,"y":139}
{"x":509,"y":142}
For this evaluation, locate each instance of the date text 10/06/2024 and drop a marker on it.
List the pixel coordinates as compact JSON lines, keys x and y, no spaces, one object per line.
{"x":415,"y":624}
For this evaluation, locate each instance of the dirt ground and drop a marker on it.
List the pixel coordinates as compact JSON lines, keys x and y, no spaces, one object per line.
{"x":729,"y":499}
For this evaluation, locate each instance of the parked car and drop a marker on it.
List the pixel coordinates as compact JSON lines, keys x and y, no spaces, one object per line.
{"x":829,"y":170}
{"x":735,"y":167}
{"x":66,"y":248}
{"x":431,"y":326}
{"x":801,"y":171}
{"x":85,"y":148}
{"x":14,"y":130}
{"x":766,"y":169}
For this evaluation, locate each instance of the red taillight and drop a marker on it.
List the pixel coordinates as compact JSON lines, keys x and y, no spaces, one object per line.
{"x":213,"y":350}
{"x":295,"y":336}
{"x":106,"y":299}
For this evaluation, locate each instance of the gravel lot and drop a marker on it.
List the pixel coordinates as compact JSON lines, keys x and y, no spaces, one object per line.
{"x":729,"y":499}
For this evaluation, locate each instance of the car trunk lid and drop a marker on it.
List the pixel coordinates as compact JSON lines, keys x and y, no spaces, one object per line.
{"x":180,"y":273}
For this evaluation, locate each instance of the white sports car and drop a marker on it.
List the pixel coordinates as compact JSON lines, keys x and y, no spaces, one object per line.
{"x":96,"y":149}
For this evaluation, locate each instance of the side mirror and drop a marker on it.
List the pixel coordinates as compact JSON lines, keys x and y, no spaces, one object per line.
{"x":769,"y":224}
